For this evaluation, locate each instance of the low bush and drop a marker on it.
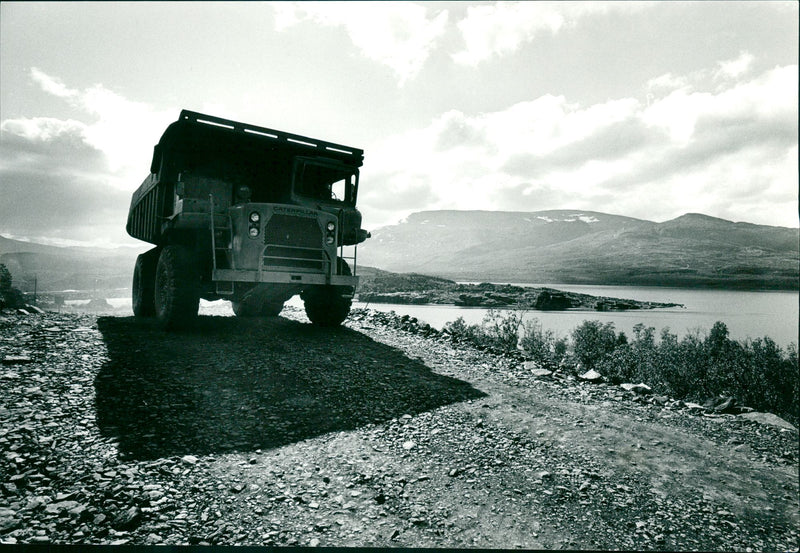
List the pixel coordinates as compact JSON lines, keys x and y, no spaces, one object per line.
{"x":460,"y":331}
{"x":501,"y":329}
{"x":498,"y":330}
{"x":593,"y":341}
{"x":542,"y":345}
{"x":758,"y":373}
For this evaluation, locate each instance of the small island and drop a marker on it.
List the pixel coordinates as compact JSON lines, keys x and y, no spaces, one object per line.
{"x":379,"y":286}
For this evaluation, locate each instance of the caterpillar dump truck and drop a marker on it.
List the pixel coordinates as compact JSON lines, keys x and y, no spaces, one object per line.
{"x":249,"y":214}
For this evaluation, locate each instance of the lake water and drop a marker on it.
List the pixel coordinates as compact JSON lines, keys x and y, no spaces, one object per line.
{"x":746,"y":314}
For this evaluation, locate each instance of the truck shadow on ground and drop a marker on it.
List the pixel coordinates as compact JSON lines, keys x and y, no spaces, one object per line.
{"x":242,"y":384}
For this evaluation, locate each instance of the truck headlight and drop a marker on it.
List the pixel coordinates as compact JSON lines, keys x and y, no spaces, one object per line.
{"x":253,"y":232}
{"x":329,"y":240}
{"x":255,"y":217}
{"x":331,"y":226}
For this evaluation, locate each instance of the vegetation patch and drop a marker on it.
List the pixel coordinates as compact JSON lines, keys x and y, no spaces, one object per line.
{"x":9,"y":296}
{"x":699,"y":366}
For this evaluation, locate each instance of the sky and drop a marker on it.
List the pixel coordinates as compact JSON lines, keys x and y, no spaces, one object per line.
{"x":643,"y":109}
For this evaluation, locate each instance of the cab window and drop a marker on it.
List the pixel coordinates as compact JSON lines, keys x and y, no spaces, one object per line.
{"x":325,"y":182}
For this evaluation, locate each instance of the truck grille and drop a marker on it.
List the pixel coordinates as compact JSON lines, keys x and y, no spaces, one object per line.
{"x":287,"y":230}
{"x":293,"y":243}
{"x":276,"y":257}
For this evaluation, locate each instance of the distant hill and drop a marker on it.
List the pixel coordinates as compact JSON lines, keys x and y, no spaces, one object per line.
{"x":586,"y":247}
{"x":74,"y":268}
{"x":557,"y":246}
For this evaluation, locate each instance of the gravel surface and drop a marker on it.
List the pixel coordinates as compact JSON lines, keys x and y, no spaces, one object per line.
{"x":383,"y":433}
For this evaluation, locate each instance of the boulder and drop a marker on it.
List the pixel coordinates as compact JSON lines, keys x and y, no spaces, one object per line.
{"x":768,"y":418}
{"x":641,"y":389}
{"x":468,"y":300}
{"x":536,"y":370}
{"x":98,"y":303}
{"x":728,"y":405}
{"x":552,"y":301}
{"x":129,"y":519}
{"x":591,"y":376}
{"x":720,"y":404}
{"x":500,"y":299}
{"x":60,"y":507}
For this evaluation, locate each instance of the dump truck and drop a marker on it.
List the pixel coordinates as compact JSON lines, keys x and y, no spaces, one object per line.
{"x":248,"y":214}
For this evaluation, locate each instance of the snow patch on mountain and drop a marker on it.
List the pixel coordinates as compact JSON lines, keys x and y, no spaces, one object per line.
{"x":569,"y":219}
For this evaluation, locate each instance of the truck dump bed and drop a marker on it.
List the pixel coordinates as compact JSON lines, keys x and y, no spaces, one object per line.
{"x":256,"y":154}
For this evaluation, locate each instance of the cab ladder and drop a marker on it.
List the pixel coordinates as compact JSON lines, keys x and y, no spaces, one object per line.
{"x":221,"y":246}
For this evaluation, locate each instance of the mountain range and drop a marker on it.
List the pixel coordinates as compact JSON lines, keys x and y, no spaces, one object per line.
{"x":555,"y":246}
{"x":57,"y":268}
{"x":587,"y":247}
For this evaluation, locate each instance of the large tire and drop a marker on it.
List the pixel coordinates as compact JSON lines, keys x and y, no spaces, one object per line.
{"x":177,"y":287}
{"x":144,"y":284}
{"x":242,"y":309}
{"x":325,"y":305}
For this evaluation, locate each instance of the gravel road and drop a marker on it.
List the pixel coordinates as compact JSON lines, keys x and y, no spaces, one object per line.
{"x":381,"y":433}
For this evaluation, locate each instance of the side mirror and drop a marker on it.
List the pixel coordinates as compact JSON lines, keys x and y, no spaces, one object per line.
{"x":155,"y":165}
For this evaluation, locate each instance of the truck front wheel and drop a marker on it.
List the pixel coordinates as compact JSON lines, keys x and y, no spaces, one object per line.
{"x":144,"y":284}
{"x":177,"y":287}
{"x":325,"y":305}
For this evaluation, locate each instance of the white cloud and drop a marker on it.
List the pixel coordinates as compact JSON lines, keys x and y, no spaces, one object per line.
{"x":44,"y":129}
{"x":400,"y":35}
{"x":772,"y":94}
{"x":501,"y":28}
{"x":725,"y":151}
{"x":81,"y":171}
{"x":735,"y":68}
{"x":124,"y":130}
{"x":52,"y":85}
{"x":667,"y":82}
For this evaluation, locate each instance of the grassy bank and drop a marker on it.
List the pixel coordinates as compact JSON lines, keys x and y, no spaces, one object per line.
{"x":758,"y":373}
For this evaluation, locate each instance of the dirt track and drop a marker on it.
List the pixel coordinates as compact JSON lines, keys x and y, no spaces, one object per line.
{"x":274,"y":432}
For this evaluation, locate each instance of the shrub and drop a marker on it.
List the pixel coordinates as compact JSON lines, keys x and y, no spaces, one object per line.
{"x":460,"y":330}
{"x":501,"y":329}
{"x":619,"y":366}
{"x":498,"y":330}
{"x":9,"y":296}
{"x":674,"y":367}
{"x":542,"y":345}
{"x":592,"y":341}
{"x":767,"y":379}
